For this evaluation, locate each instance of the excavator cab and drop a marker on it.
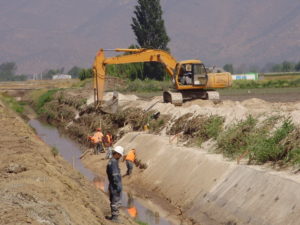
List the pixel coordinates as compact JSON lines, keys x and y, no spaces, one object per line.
{"x":192,"y":74}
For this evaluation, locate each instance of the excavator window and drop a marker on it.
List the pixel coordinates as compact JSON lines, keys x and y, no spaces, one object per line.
{"x":193,"y":74}
{"x":200,"y":74}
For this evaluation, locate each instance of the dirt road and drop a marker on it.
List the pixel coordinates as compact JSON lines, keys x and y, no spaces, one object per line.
{"x":38,"y":188}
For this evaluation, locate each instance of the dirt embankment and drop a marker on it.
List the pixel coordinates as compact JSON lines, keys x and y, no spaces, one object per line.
{"x":38,"y":188}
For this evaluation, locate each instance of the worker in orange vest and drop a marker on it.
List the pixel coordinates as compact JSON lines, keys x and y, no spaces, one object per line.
{"x":130,"y":159}
{"x":97,"y":140}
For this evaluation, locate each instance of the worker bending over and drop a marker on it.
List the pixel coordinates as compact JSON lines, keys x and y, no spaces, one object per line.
{"x":97,"y":140}
{"x":115,"y":183}
{"x":130,"y":160}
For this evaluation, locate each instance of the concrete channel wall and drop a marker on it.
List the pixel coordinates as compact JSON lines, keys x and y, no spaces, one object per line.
{"x":212,"y":190}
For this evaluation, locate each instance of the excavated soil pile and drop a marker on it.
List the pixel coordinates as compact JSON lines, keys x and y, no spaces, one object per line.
{"x":38,"y":188}
{"x":79,"y":120}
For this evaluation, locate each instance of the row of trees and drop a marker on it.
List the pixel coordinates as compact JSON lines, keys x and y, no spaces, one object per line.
{"x":8,"y":72}
{"x":285,"y":66}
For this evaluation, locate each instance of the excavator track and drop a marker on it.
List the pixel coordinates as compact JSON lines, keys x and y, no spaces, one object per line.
{"x":173,"y":97}
{"x":213,"y":95}
{"x":177,"y":98}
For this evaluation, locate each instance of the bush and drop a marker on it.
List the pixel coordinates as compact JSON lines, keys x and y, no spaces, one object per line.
{"x":146,"y":85}
{"x":85,"y":73}
{"x":260,"y":142}
{"x":43,"y":99}
{"x":233,"y":141}
{"x":13,"y":103}
{"x":200,"y":128}
{"x":54,"y":151}
{"x":263,"y":148}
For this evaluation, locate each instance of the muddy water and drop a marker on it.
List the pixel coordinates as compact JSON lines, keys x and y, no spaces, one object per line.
{"x":141,"y":209}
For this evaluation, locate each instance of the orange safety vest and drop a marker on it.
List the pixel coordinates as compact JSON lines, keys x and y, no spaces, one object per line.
{"x":97,"y":137}
{"x":130,"y":156}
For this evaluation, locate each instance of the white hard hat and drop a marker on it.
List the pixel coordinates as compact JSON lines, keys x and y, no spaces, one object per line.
{"x":119,"y":149}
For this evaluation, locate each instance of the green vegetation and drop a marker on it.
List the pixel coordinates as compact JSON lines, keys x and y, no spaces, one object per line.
{"x":12,"y":103}
{"x":146,"y":85}
{"x":54,"y":151}
{"x":74,"y":101}
{"x":286,"y":66}
{"x":75,"y":71}
{"x":8,"y":72}
{"x":85,"y":73}
{"x":232,"y":142}
{"x":261,"y":142}
{"x":228,"y":68}
{"x":43,"y":99}
{"x":47,"y":74}
{"x":252,"y":84}
{"x":141,"y":222}
{"x":197,"y":129}
{"x":131,"y":71}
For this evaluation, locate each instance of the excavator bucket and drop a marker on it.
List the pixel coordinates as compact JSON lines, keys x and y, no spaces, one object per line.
{"x":111,"y":106}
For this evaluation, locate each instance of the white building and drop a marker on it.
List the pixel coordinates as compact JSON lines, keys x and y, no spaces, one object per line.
{"x":61,"y":77}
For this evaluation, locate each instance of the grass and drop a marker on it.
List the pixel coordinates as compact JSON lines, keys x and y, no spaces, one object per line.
{"x":262,"y":142}
{"x":198,"y":129}
{"x":12,"y":103}
{"x":146,"y":86}
{"x":253,"y":84}
{"x":43,"y":99}
{"x":82,"y":83}
{"x":233,"y":141}
{"x":54,"y":151}
{"x":141,"y":222}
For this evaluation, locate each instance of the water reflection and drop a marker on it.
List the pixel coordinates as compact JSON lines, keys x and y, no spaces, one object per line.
{"x":99,"y":183}
{"x":131,"y":209}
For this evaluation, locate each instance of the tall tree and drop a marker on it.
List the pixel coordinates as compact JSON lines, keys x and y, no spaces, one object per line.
{"x":149,"y":29}
{"x":7,"y":70}
{"x":74,"y":71}
{"x":228,"y":68}
{"x":297,"y":66}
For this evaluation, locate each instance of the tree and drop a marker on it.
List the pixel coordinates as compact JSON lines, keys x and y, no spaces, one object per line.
{"x":287,"y":66}
{"x":276,"y":68}
{"x":149,"y":29}
{"x":74,"y":71}
{"x":228,"y":68}
{"x":297,"y":66}
{"x":7,"y":70}
{"x":86,"y":73}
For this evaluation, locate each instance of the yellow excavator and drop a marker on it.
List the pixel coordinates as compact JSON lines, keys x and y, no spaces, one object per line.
{"x":190,"y":77}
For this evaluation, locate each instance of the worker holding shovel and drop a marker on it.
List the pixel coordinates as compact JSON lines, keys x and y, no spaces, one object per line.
{"x":115,"y":183}
{"x":97,"y":139}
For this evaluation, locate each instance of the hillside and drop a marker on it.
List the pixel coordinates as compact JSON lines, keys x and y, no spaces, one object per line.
{"x":41,"y":34}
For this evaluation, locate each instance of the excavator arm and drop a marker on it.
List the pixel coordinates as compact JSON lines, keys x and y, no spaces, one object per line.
{"x":137,"y":55}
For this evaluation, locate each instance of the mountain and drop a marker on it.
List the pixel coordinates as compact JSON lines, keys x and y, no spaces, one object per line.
{"x":43,"y":34}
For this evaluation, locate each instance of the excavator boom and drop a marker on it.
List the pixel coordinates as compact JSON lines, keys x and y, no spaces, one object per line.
{"x":139,"y":55}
